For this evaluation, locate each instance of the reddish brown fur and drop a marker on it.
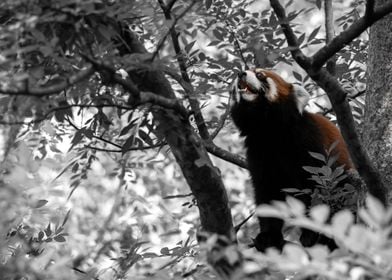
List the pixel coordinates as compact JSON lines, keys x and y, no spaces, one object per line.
{"x":330,"y":134}
{"x":283,"y":87}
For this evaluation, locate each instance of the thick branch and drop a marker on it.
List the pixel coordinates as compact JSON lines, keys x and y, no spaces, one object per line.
{"x":138,"y":97}
{"x":24,"y":89}
{"x":187,"y":148}
{"x":344,"y":38}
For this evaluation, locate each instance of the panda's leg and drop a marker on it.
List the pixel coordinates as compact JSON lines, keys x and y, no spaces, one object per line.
{"x":270,"y":234}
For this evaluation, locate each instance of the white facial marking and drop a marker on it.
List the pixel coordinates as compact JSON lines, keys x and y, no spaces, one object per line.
{"x":252,"y":80}
{"x":247,"y":96}
{"x":302,"y":97}
{"x":235,"y":94}
{"x":272,"y":94}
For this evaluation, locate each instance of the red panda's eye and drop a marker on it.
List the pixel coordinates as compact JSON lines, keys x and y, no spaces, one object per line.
{"x":260,"y":76}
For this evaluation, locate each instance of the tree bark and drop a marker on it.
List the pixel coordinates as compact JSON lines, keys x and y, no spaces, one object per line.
{"x":191,"y":155}
{"x":377,"y":133}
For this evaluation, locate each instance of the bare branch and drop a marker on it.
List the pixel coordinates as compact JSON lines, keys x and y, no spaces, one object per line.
{"x":292,"y":41}
{"x":24,"y":89}
{"x":236,"y":43}
{"x":225,"y":155}
{"x":350,"y":33}
{"x":330,"y":33}
{"x":139,"y":148}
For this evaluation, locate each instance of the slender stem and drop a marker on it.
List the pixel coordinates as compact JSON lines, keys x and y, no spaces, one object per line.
{"x":330,"y":33}
{"x":194,"y":103}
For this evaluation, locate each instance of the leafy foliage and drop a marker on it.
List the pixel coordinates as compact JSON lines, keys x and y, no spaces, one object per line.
{"x":88,"y":148}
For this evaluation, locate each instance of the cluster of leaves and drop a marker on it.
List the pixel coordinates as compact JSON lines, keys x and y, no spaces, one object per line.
{"x":335,"y":186}
{"x":364,"y":246}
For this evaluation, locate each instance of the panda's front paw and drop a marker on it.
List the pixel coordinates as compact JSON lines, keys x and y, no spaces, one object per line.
{"x":265,"y":240}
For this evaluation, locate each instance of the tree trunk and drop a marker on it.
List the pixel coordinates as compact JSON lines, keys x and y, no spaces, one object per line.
{"x":377,"y":133}
{"x":202,"y":176}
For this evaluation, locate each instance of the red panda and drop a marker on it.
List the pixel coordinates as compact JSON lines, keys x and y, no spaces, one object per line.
{"x":279,"y":134}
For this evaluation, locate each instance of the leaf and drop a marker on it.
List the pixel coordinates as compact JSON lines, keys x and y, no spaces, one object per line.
{"x":228,"y":3}
{"x":77,"y":138}
{"x":333,"y":146}
{"x":318,"y":4}
{"x":296,"y":206}
{"x":311,"y":170}
{"x":149,"y":255}
{"x":297,"y":76}
{"x":48,"y":230}
{"x":128,"y":144}
{"x":41,"y":235}
{"x":375,"y":208}
{"x":265,"y":210}
{"x":314,"y":33}
{"x":189,"y":46}
{"x":66,"y":218}
{"x":59,"y":238}
{"x":318,"y":156}
{"x":217,"y":34}
{"x":341,"y":221}
{"x":320,"y":213}
{"x":295,"y":254}
{"x":291,"y":190}
{"x":145,"y":137}
{"x":208,"y":4}
{"x":40,"y":203}
{"x":165,"y":251}
{"x":301,"y":39}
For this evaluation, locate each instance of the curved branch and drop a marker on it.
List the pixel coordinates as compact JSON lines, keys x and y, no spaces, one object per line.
{"x":345,"y":37}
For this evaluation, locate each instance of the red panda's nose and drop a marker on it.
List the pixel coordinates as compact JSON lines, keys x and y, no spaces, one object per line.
{"x":242,"y":75}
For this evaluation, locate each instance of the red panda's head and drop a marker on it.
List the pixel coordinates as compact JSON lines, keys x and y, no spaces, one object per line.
{"x":262,"y":98}
{"x":263,"y":86}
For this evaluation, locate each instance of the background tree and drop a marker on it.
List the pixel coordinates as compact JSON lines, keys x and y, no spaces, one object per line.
{"x":377,"y":122}
{"x":126,"y":103}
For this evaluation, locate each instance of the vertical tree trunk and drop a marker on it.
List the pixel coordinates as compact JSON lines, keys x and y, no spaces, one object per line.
{"x":377,"y":134}
{"x":202,"y":177}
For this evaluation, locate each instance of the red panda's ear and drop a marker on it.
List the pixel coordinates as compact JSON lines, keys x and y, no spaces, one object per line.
{"x":302,"y":97}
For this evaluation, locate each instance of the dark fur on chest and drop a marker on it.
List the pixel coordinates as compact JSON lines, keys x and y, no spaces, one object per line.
{"x":278,"y":139}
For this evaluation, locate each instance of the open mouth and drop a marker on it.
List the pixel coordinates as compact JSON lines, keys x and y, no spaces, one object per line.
{"x":247,"y":92}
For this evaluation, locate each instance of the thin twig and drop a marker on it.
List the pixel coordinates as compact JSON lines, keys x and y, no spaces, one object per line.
{"x":24,"y":89}
{"x":237,"y":43}
{"x":171,"y":27}
{"x":193,"y":102}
